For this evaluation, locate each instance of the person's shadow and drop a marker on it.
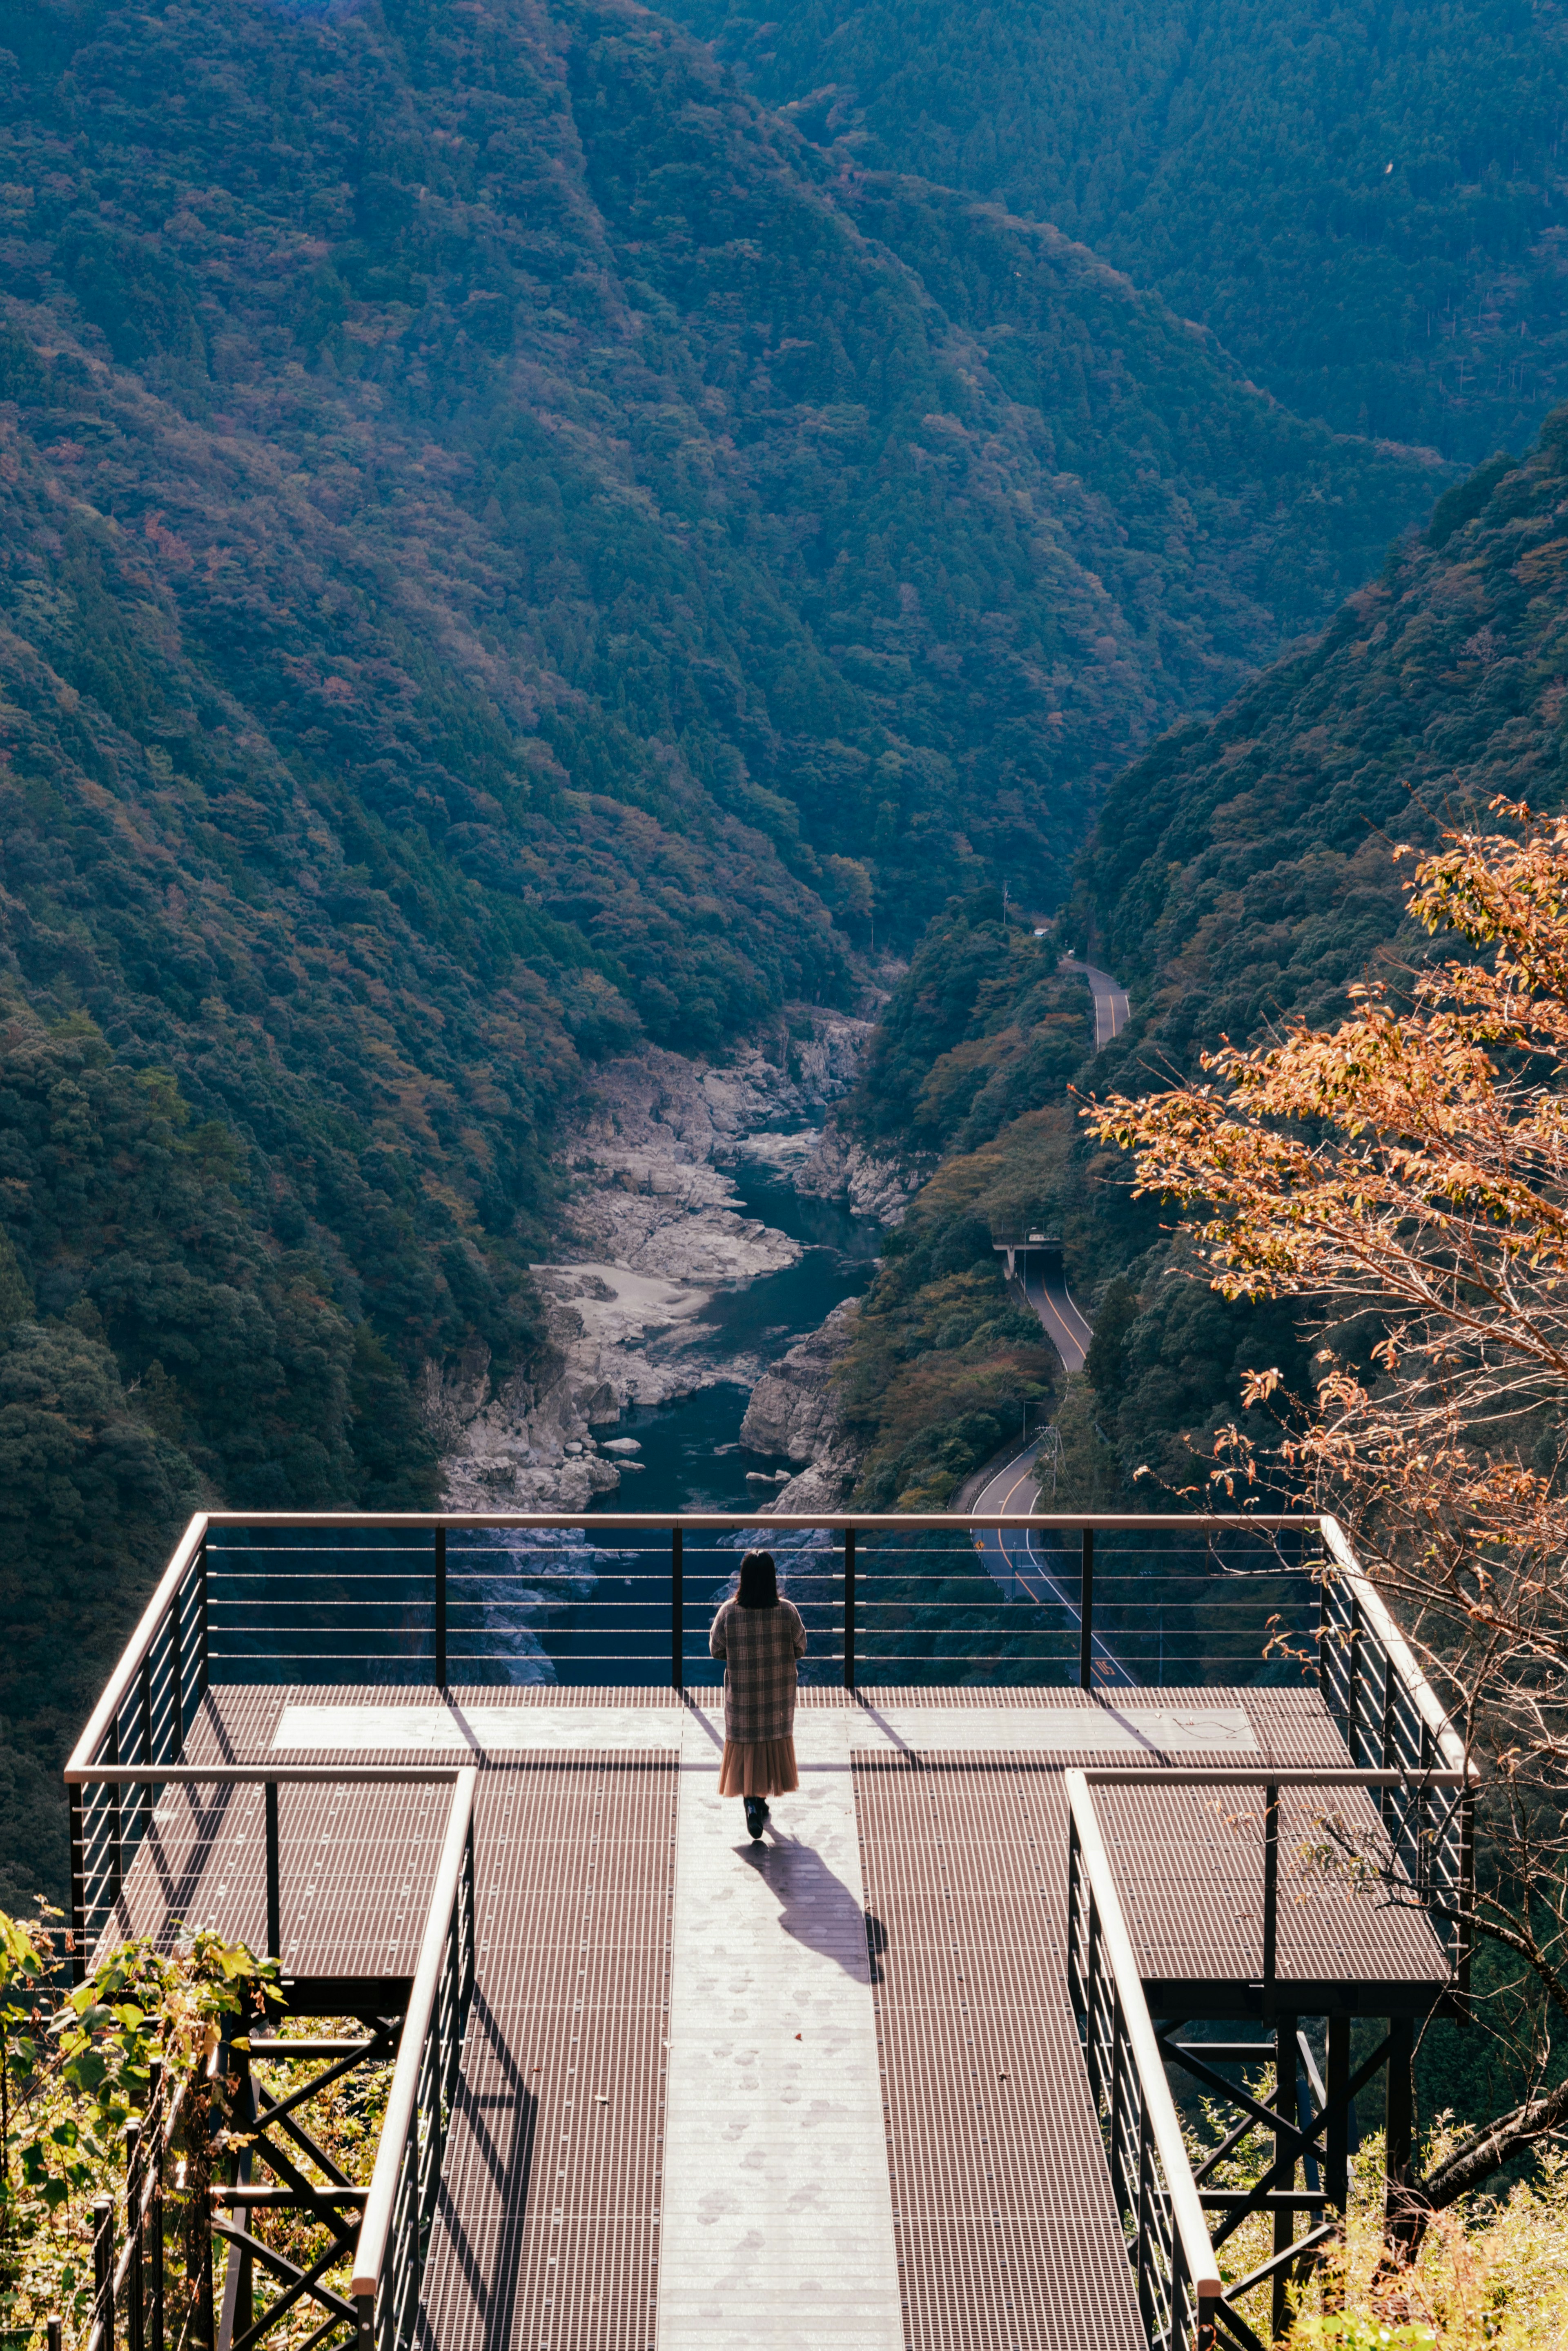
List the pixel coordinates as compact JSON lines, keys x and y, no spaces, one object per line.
{"x":815,"y":1905}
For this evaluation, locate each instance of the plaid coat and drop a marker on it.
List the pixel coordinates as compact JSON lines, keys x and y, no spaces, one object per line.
{"x":760,"y":1646}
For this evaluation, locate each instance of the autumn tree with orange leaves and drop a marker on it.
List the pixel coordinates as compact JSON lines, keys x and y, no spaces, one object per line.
{"x":1404,"y":1175}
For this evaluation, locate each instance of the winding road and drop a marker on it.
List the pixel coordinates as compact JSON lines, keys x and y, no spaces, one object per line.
{"x":1013,"y":1562}
{"x":1065,"y":1327}
{"x":1008,"y":1552}
{"x":1111,"y":1011}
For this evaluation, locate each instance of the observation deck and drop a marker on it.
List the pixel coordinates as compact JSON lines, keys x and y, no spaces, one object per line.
{"x":899,"y":2076}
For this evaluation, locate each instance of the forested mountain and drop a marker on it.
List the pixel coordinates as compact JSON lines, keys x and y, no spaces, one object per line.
{"x":1368,"y":205}
{"x":1241,"y":873}
{"x":505,"y":555}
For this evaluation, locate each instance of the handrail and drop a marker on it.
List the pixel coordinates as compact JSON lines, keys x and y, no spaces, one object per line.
{"x":1295,"y":1775}
{"x":1159,"y":2106}
{"x":732,"y":1522}
{"x":141,"y":1640}
{"x":371,"y":2252}
{"x":1376,"y":1610}
{"x":362,"y":1775}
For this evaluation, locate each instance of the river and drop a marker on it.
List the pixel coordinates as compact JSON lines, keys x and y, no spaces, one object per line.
{"x":581,"y":1612}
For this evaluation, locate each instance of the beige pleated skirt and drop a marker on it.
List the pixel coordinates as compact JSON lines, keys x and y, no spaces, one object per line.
{"x":757,"y":1767}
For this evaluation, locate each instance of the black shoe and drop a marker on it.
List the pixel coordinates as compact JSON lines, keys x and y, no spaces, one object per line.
{"x":756,"y":1813}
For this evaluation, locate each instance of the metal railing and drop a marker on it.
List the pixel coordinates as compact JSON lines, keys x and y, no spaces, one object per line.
{"x":1392,"y":1720}
{"x":383,"y":2228}
{"x":388,"y":2260}
{"x":1176,"y":2275}
{"x":603,"y":1597}
{"x":1156,"y":2187}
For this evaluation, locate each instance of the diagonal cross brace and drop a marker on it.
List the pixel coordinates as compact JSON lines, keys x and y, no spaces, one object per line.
{"x":300,"y":2282}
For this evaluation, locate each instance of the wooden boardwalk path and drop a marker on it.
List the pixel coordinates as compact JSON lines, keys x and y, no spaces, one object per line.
{"x":824,"y":2093}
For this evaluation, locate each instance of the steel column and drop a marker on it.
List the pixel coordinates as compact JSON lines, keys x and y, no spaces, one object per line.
{"x":103,"y":2271}
{"x":1285,"y":2106}
{"x":274,"y":1903}
{"x":1336,"y":2151}
{"x":1399,"y":2121}
{"x":135,"y":2282}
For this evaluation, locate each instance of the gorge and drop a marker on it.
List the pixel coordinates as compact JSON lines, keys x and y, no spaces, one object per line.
{"x":557,"y":598}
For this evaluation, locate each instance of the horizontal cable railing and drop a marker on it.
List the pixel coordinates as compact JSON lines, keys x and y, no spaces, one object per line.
{"x":390,"y":2257}
{"x":1125,"y":2058}
{"x":1176,"y":2275}
{"x":1392,"y":1720}
{"x":602,"y":1598}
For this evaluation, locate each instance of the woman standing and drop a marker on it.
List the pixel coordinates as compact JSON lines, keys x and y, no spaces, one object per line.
{"x":760,"y":1637}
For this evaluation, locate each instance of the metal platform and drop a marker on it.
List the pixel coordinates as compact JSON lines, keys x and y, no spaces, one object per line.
{"x":993,"y":2192}
{"x":896,"y":2078}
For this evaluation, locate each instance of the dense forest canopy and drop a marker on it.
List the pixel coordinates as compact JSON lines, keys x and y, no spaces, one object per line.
{"x":1241,"y":873}
{"x":1367,"y":203}
{"x":502,"y":560}
{"x":510,"y":553}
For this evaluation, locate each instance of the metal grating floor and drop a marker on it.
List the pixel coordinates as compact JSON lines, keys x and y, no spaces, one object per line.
{"x":548,"y":2235}
{"x":1007,"y":2233}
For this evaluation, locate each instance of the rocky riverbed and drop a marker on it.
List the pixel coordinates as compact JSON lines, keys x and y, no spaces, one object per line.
{"x":663,"y":1235}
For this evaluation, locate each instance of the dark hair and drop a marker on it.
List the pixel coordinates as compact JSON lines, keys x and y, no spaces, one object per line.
{"x":759,"y":1581}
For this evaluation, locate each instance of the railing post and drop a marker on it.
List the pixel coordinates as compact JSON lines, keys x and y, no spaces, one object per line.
{"x":176,"y":1681}
{"x":366,"y":2309}
{"x":1325,"y":1685}
{"x":103,"y":2271}
{"x":1467,"y":1938}
{"x":1270,"y":1894}
{"x":154,"y":2156}
{"x":1145,"y":2271}
{"x":79,"y":1887}
{"x":1387,"y":1802}
{"x":146,"y":1695}
{"x":114,"y":1808}
{"x":849,"y":1608}
{"x":677,"y":1610}
{"x":202,"y":1619}
{"x":135,"y":2284}
{"x":54,"y":2333}
{"x":1086,"y":1613}
{"x":441,"y":1608}
{"x":274,"y":1902}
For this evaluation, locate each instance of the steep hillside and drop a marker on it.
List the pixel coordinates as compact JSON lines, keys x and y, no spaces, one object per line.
{"x":1367,"y":205}
{"x":1241,"y":873}
{"x":503,"y":561}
